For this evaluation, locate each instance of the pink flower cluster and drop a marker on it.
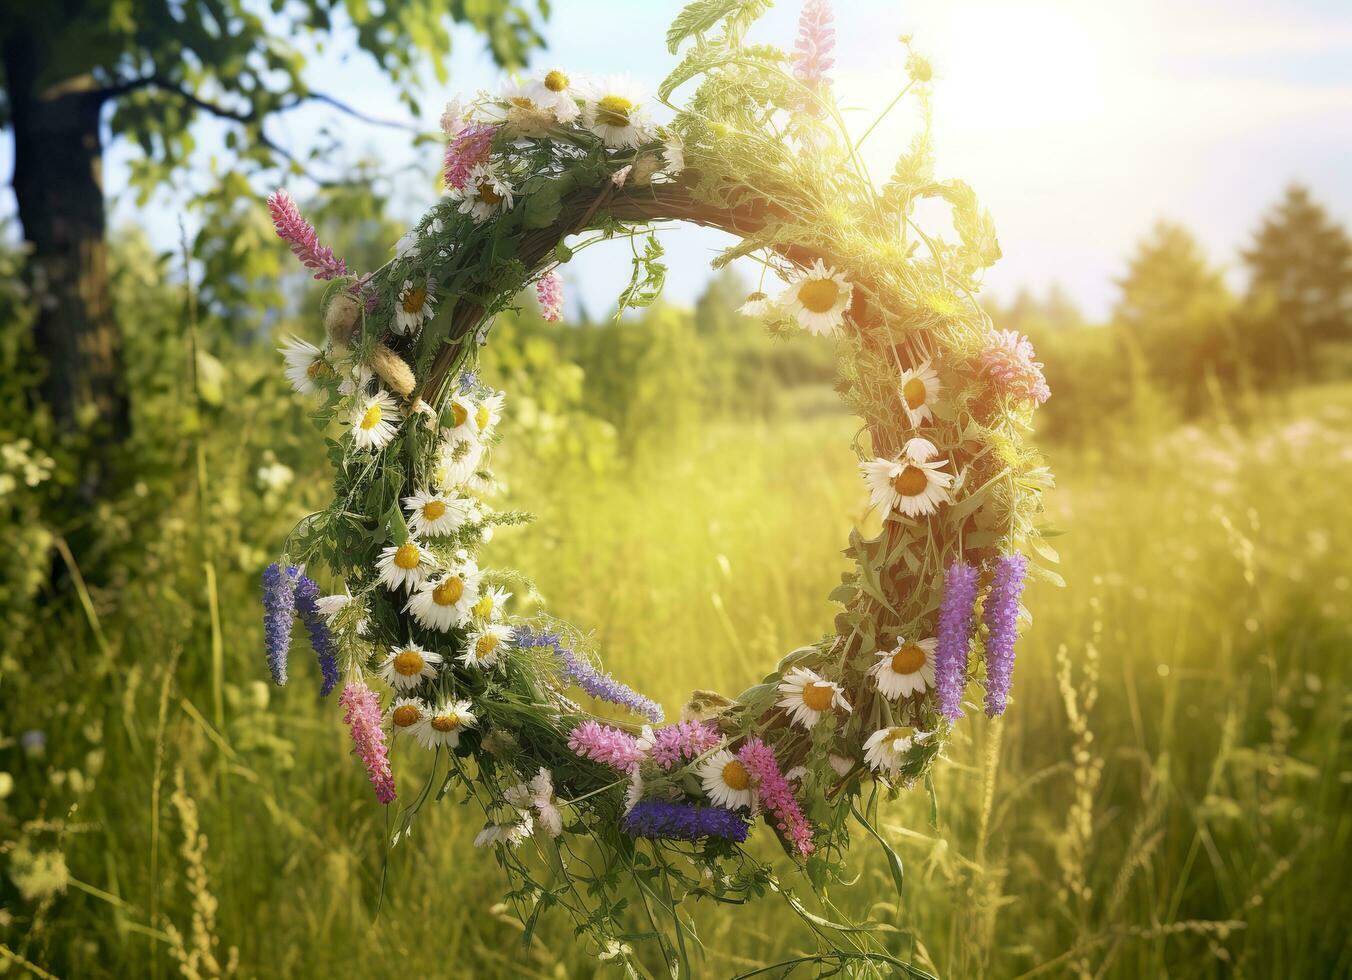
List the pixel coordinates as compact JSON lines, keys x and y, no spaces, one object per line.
{"x":361,"y":711}
{"x":683,"y":741}
{"x":606,"y":745}
{"x":300,"y":235}
{"x":776,"y":794}
{"x":549,"y":291}
{"x":816,"y":40}
{"x":466,"y":150}
{"x":1008,"y":361}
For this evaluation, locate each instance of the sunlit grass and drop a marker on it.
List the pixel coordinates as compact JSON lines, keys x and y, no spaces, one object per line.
{"x":1167,"y":796}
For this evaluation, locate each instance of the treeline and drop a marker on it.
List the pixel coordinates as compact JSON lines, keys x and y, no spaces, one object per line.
{"x":1180,"y":341}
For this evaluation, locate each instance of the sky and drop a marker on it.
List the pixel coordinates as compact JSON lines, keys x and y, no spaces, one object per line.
{"x":1078,"y":123}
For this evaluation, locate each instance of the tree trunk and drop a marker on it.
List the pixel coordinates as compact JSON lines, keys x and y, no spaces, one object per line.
{"x":58,"y":186}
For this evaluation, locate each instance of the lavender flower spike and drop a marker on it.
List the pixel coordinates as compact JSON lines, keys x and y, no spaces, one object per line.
{"x":598,"y":684}
{"x":279,"y":604}
{"x":1002,"y":615}
{"x":683,"y":821}
{"x":955,"y":635}
{"x":321,"y":638}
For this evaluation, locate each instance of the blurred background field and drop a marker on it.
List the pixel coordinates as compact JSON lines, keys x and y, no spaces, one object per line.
{"x":1169,"y":795}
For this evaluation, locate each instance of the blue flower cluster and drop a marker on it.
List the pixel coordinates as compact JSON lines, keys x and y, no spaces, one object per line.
{"x":661,"y":820}
{"x":598,"y":684}
{"x":286,"y":591}
{"x":1002,"y":621}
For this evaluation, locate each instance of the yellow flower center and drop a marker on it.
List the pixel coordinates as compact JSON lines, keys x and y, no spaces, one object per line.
{"x":319,"y":368}
{"x":482,"y":417}
{"x":459,"y":412}
{"x":446,"y":723}
{"x":819,"y":295}
{"x":371,"y":418}
{"x":914,"y":393}
{"x":407,"y":557}
{"x":521,"y":102}
{"x":448,"y":593}
{"x":910,"y":482}
{"x":735,"y":775}
{"x":486,"y":645}
{"x":556,"y":81}
{"x":434,"y":510}
{"x":908,"y":659}
{"x":613,"y":110}
{"x":409,"y":662}
{"x":488,"y":194}
{"x":895,"y":735}
{"x":484,"y":607}
{"x":406,"y":714}
{"x":414,"y":299}
{"x":817,"y":695}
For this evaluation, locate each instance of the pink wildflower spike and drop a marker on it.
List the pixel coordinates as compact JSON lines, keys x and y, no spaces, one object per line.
{"x":816,"y":40}
{"x":467,"y":149}
{"x":549,"y":291}
{"x":300,"y":235}
{"x":1008,"y":361}
{"x":606,"y":745}
{"x":683,"y":741}
{"x":776,"y":794}
{"x":361,"y":711}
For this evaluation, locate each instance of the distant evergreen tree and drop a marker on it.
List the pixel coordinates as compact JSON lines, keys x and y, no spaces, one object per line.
{"x":1175,"y":315}
{"x":1300,"y":266}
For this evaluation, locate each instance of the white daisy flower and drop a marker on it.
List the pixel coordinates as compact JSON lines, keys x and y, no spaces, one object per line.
{"x":332,"y":606}
{"x":488,"y":414}
{"x":840,"y":764}
{"x":407,"y":666}
{"x":373,"y":421}
{"x":818,"y":299}
{"x":511,"y":834}
{"x":405,"y":566}
{"x":886,"y":749}
{"x":442,"y":725}
{"x":459,"y":418}
{"x":356,"y":377}
{"x":457,"y":463}
{"x":906,"y":670}
{"x":306,"y":366}
{"x":726,"y":781}
{"x":406,"y":714}
{"x":445,"y":601}
{"x":554,"y":91}
{"x":407,"y":246}
{"x":673,"y":153}
{"x":919,"y":387}
{"x":434,"y":513}
{"x":613,"y":112}
{"x":646,"y":739}
{"x":538,"y":795}
{"x":757,"y":304}
{"x":486,"y":644}
{"x":492,"y":604}
{"x":486,"y":191}
{"x":913,"y":484}
{"x":808,"y":697}
{"x":634,"y":792}
{"x":414,"y":307}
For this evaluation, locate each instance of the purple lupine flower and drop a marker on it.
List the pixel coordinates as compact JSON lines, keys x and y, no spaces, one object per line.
{"x":1002,"y":616}
{"x":298,"y":233}
{"x":549,"y":292}
{"x":660,"y":820}
{"x":955,"y":635}
{"x":361,"y":713}
{"x":321,"y":637}
{"x":683,"y":741}
{"x":279,"y":606}
{"x":813,"y":46}
{"x":775,"y":794}
{"x":598,"y":684}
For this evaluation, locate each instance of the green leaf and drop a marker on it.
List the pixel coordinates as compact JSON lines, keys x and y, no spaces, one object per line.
{"x":894,"y":865}
{"x":396,"y":530}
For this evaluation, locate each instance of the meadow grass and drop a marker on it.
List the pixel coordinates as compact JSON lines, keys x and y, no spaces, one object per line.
{"x":1167,"y":796}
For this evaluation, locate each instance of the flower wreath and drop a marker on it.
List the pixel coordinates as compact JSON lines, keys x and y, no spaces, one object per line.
{"x":929,"y":608}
